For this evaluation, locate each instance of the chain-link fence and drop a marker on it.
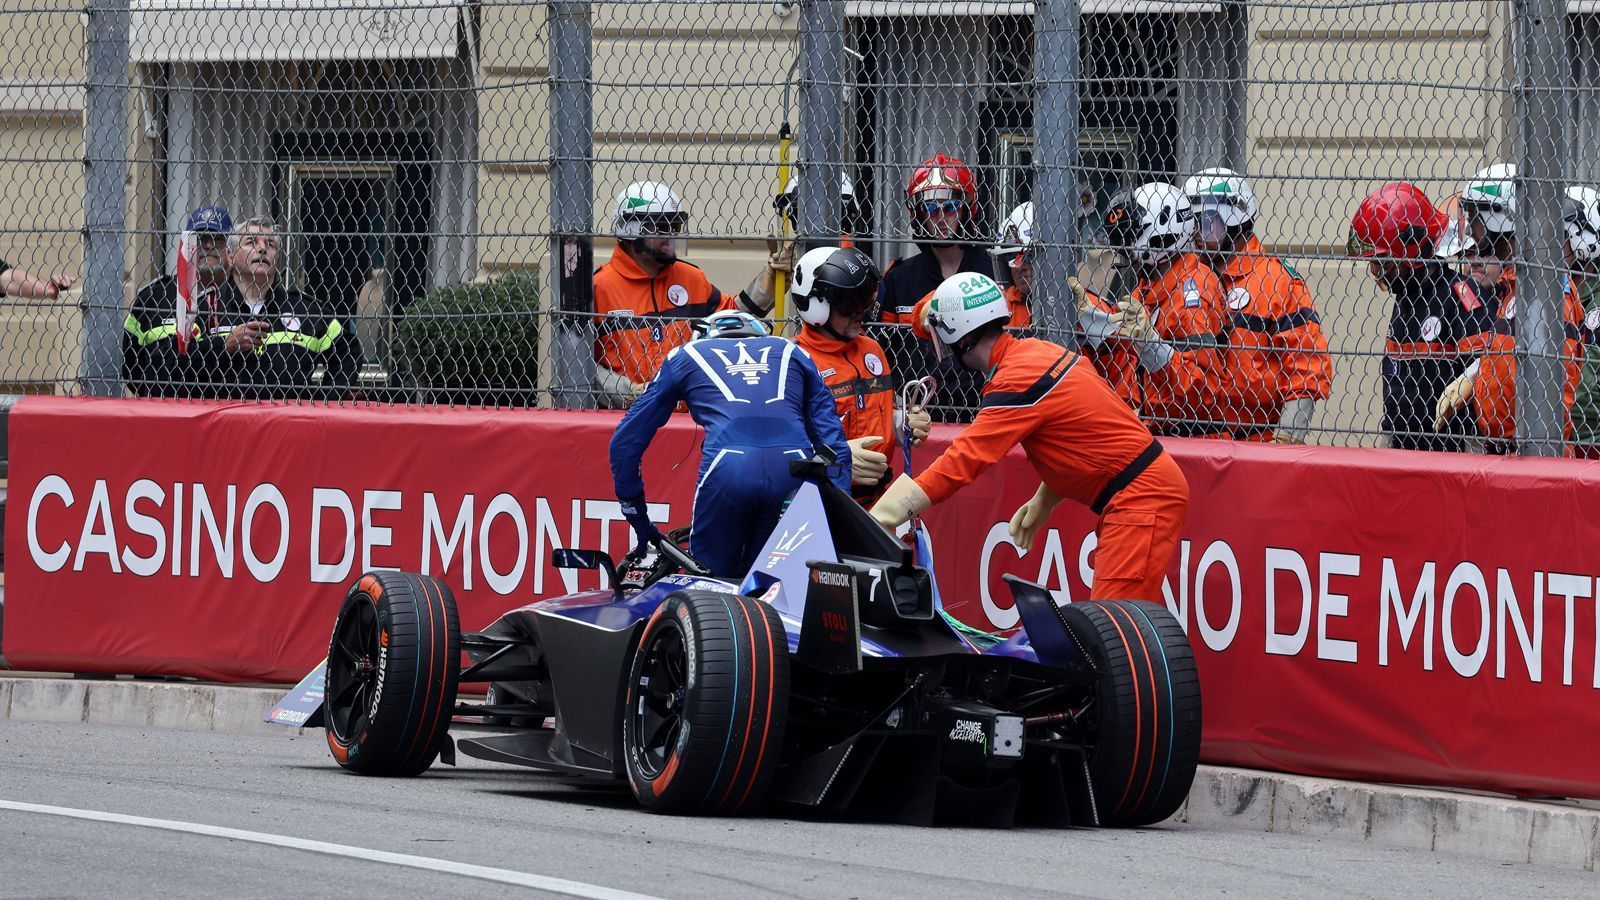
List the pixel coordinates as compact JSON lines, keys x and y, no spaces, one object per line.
{"x":527,"y":203}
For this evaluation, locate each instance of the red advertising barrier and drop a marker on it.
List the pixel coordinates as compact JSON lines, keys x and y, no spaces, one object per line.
{"x":1423,"y":618}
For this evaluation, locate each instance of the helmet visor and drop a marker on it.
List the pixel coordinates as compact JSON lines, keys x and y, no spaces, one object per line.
{"x":661,"y":224}
{"x":852,"y":303}
{"x":1211,"y":224}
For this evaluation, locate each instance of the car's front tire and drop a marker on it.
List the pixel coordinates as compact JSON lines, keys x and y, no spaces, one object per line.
{"x":393,"y":665}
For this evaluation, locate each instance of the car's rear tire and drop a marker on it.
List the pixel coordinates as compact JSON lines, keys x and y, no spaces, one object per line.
{"x":393,"y":664}
{"x":1146,"y":712}
{"x":706,"y":703}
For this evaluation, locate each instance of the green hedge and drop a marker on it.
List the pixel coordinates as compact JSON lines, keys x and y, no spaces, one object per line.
{"x":475,"y":342}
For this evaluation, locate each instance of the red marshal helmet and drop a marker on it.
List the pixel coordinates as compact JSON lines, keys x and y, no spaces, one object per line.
{"x":1397,"y":220}
{"x":942,"y":178}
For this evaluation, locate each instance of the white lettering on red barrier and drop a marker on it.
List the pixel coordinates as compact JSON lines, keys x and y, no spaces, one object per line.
{"x":1412,"y":621}
{"x":219,"y":532}
{"x":263,"y":494}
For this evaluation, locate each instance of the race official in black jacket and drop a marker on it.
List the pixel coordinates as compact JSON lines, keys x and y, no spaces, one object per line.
{"x":265,"y":341}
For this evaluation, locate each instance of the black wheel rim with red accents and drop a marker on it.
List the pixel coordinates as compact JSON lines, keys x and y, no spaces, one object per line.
{"x":352,"y":671}
{"x":658,"y":711}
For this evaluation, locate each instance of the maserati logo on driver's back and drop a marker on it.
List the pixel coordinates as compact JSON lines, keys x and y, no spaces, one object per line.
{"x":746,"y":366}
{"x":788,"y":543}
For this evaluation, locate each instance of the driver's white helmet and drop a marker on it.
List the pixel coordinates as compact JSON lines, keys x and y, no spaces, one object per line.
{"x":729,"y":323}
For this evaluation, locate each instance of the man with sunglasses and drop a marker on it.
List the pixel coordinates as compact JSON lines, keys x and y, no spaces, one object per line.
{"x":835,"y":289}
{"x":1277,"y":356}
{"x":646,"y":296}
{"x":942,"y":198}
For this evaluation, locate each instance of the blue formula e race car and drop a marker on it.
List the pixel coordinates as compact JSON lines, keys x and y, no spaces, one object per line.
{"x":829,"y":678}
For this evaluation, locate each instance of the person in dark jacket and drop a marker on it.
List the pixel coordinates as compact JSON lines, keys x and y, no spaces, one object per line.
{"x":153,"y":362}
{"x":267,"y":341}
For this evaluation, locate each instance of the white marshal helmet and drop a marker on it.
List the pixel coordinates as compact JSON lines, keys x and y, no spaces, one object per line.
{"x":1015,"y":237}
{"x":1224,"y":191}
{"x":962,"y":304}
{"x":1491,"y":198}
{"x":647,"y":207}
{"x":1580,"y":215}
{"x":1151,"y":223}
{"x":787,"y":203}
{"x":1016,"y":232}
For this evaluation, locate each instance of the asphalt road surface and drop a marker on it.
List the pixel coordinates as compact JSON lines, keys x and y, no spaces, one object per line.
{"x":97,"y":811}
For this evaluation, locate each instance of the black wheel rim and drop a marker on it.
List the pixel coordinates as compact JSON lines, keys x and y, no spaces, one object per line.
{"x":657,"y":711}
{"x":352,"y":671}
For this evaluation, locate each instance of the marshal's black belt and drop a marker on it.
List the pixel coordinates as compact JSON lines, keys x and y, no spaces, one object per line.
{"x":1126,"y":476}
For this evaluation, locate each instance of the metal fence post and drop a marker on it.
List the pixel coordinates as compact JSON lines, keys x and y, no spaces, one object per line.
{"x":105,"y":201}
{"x":1542,"y":72}
{"x":821,"y":130}
{"x":571,"y":337}
{"x":1057,"y":25}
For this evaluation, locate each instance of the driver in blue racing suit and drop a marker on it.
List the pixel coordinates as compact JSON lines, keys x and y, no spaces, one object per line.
{"x":762,"y":405}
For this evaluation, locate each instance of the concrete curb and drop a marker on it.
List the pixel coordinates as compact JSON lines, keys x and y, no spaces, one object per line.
{"x":1548,"y":834}
{"x":198,"y":707}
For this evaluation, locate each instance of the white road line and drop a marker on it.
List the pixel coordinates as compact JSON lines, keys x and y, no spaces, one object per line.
{"x":504,"y":876}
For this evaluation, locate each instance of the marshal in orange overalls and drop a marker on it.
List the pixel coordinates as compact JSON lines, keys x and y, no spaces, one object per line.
{"x":1185,"y":397}
{"x":1276,"y":349}
{"x":1494,"y":391}
{"x":642,"y":319}
{"x":1087,"y":445}
{"x":857,"y":374}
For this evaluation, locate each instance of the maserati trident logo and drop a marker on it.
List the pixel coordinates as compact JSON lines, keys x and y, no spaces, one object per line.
{"x":788,"y":543}
{"x":746,"y":366}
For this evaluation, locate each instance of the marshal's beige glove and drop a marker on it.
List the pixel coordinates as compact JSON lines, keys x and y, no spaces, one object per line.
{"x":1081,"y":295}
{"x":867,"y":466}
{"x":917,"y":419}
{"x":1455,"y":396}
{"x":1031,"y":516}
{"x":1133,"y":322}
{"x":904,"y":499}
